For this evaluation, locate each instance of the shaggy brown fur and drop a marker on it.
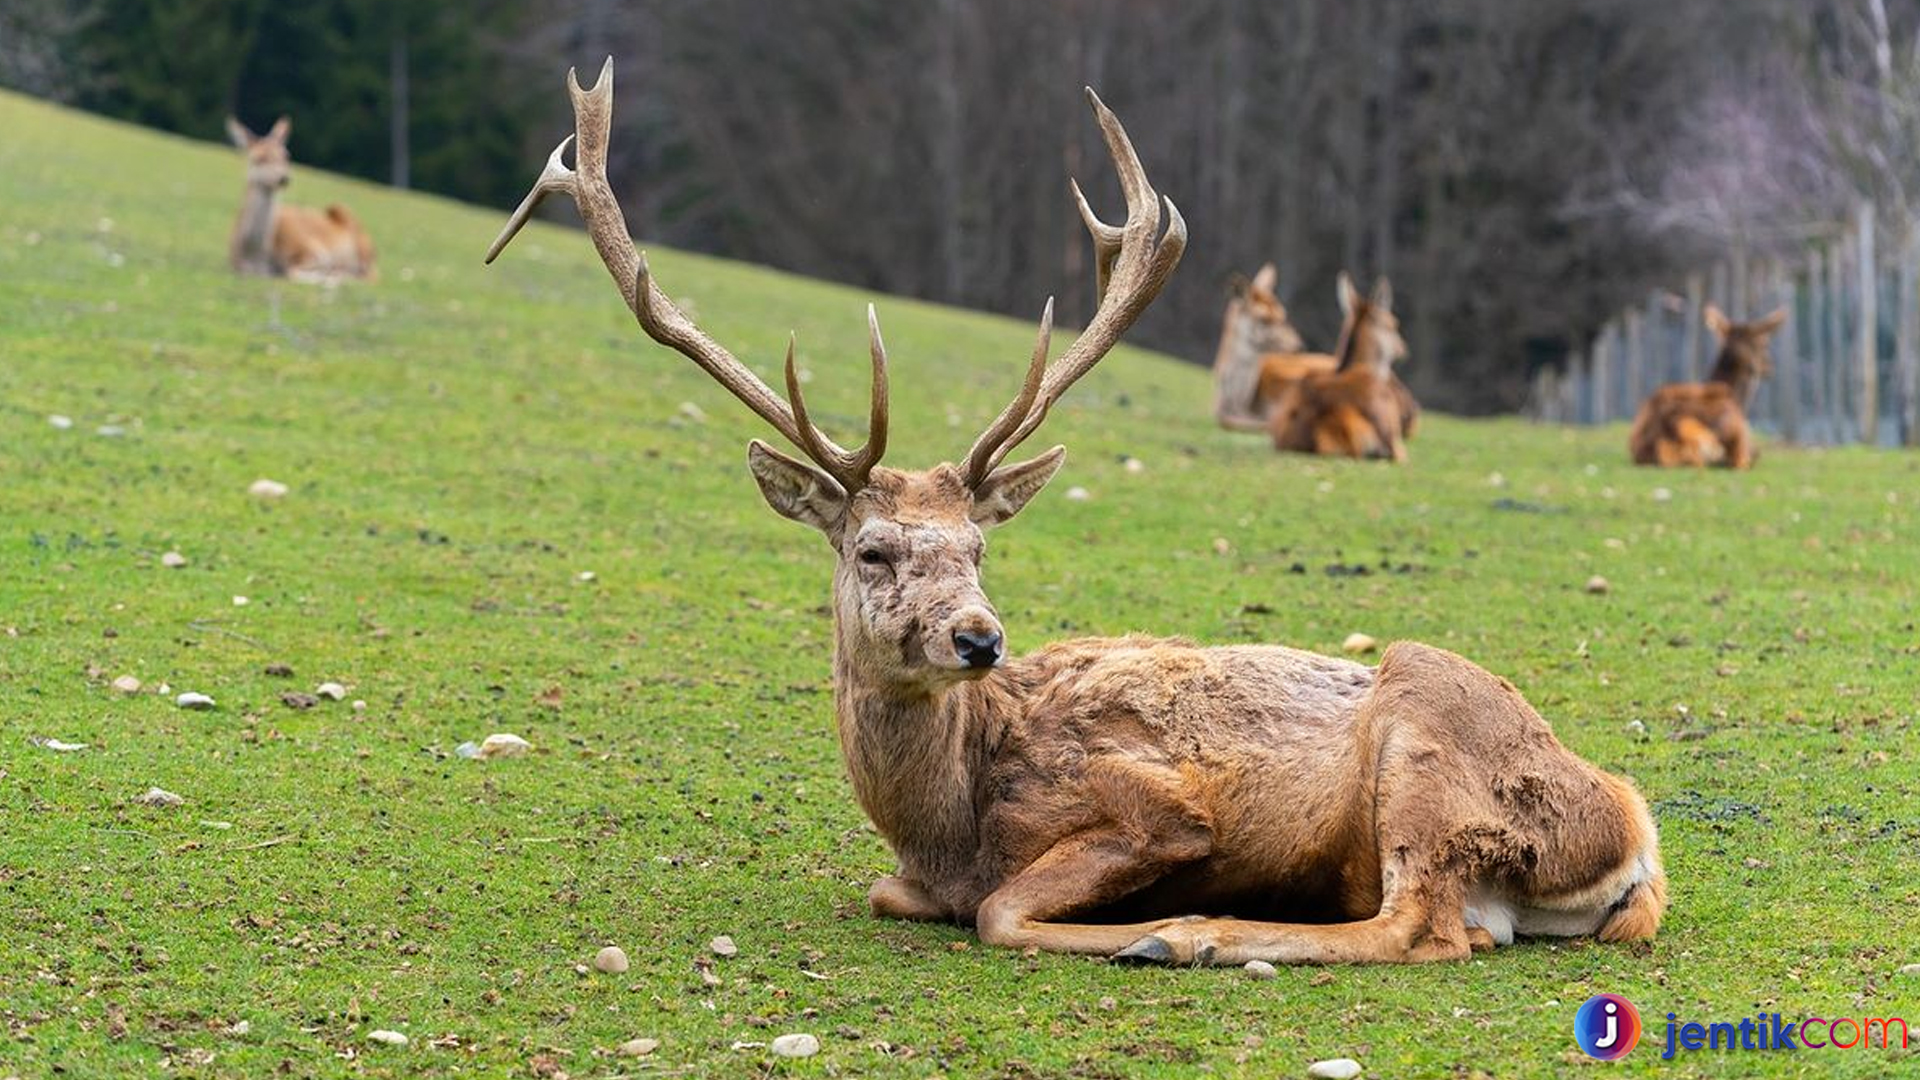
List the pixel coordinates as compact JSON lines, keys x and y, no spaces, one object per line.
{"x":271,"y":239}
{"x":1142,"y":797}
{"x":1701,"y":424}
{"x":1354,"y":405}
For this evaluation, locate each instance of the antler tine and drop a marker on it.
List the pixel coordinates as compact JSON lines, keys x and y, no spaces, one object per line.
{"x":850,"y":469}
{"x":1131,"y":267}
{"x":656,"y":312}
{"x":981,"y":459}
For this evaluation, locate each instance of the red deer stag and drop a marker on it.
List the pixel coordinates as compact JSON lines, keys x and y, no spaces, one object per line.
{"x":1126,"y":796}
{"x":1705,"y":423}
{"x":275,"y":240}
{"x":1359,"y":408}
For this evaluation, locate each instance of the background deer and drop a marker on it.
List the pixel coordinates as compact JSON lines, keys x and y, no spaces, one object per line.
{"x":1254,"y":333}
{"x":1355,"y":406}
{"x":271,"y":239}
{"x":1705,"y":423}
{"x":1120,"y":796}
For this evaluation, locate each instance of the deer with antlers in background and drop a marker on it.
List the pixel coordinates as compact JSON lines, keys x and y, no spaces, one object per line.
{"x":272,"y":239}
{"x":1702,"y":424}
{"x":1142,"y":797}
{"x":1354,"y":406}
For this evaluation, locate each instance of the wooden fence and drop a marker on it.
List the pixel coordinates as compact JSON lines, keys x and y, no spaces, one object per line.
{"x":1846,"y":366}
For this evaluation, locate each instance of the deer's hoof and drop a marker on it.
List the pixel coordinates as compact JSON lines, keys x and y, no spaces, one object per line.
{"x":1151,"y":949}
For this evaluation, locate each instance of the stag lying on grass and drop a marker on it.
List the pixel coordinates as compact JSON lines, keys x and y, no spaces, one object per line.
{"x":1124,"y":796}
{"x":271,"y":239}
{"x":1359,"y":408}
{"x":1705,"y":423}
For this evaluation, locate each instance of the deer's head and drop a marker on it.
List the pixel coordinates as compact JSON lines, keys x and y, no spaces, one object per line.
{"x":1745,"y":347}
{"x":907,"y":585}
{"x":268,"y":164}
{"x":1370,"y":333}
{"x":1269,"y":328}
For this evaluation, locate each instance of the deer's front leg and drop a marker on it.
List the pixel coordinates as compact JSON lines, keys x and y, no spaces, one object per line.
{"x":894,"y":897}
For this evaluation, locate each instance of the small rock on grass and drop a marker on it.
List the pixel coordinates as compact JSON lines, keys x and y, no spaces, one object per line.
{"x":267,"y":489}
{"x":61,"y":423}
{"x":639,"y":1047}
{"x":796,"y":1046}
{"x":1910,"y":969}
{"x":1078,"y":494}
{"x":173,"y":560}
{"x":723,"y":946}
{"x":56,"y":745}
{"x":1598,"y":585}
{"x":332,"y":691}
{"x":389,"y":1038}
{"x":159,"y":797}
{"x":1359,"y":643}
{"x":1260,"y":969}
{"x":278,"y":671}
{"x":1334,"y":1069}
{"x":294,"y":699}
{"x":501,"y":744}
{"x":611,"y":960}
{"x":127,"y":684}
{"x":191,"y":700}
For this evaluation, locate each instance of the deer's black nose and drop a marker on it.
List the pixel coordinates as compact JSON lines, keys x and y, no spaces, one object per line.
{"x":977,"y":650}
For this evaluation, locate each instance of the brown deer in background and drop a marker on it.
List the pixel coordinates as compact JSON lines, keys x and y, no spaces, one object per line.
{"x":271,"y":239}
{"x":1357,"y":407}
{"x":1705,"y":423}
{"x":1123,"y":796}
{"x":1254,"y":333}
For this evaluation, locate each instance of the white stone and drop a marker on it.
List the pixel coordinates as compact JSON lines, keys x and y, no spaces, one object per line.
{"x":1078,"y":494}
{"x":359,"y":706}
{"x":502,"y":744}
{"x":1910,"y":969}
{"x":1662,"y":495}
{"x":332,"y":691}
{"x":127,"y":684}
{"x":239,"y":1028}
{"x":1597,"y":585}
{"x":388,"y":1038}
{"x":1135,"y":465}
{"x":796,"y":1046}
{"x":587,"y":576}
{"x":58,"y":746}
{"x":1359,"y":643}
{"x":467,"y":750}
{"x":723,"y":946}
{"x":60,"y":422}
{"x":611,"y":960}
{"x":639,"y":1047}
{"x":191,"y":700}
{"x":241,"y":601}
{"x":266,"y":489}
{"x":1334,"y":1069}
{"x":1260,"y":969}
{"x":159,"y":797}
{"x":173,"y":560}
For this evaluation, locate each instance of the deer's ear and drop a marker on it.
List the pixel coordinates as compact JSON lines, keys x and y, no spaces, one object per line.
{"x":238,"y":134}
{"x":281,"y":129}
{"x":1348,"y":295}
{"x":1267,"y":278}
{"x":796,"y":490}
{"x":1383,"y":294}
{"x":1009,"y":488}
{"x":1716,"y":320}
{"x":1772,"y":322}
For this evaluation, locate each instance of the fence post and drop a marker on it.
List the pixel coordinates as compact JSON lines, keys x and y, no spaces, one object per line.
{"x":1690,"y":359}
{"x":1786,"y":354}
{"x":1837,"y":340}
{"x":1907,"y":346}
{"x":1868,"y":345}
{"x":1816,"y":353}
{"x":1634,"y":341}
{"x":1602,"y":380}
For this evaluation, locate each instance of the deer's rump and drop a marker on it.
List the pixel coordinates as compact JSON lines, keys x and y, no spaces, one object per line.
{"x":1685,"y":423}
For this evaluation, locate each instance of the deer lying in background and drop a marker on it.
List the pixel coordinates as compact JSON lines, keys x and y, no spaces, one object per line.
{"x":1254,"y":333}
{"x":1358,"y":408}
{"x":1705,"y":423}
{"x":275,"y":240}
{"x":1121,"y":796}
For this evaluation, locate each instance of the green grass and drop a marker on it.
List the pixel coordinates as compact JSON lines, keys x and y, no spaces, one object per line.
{"x":463,"y":443}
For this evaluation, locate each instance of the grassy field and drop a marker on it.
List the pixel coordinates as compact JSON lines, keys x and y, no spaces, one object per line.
{"x":504,"y":517}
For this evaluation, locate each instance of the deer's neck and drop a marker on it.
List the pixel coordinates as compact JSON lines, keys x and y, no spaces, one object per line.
{"x":1736,"y":376}
{"x":1358,"y":349}
{"x":915,"y":758}
{"x":253,"y":229}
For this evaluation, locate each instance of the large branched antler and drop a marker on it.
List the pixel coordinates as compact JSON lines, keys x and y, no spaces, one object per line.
{"x":1131,"y":261}
{"x":666,"y":323}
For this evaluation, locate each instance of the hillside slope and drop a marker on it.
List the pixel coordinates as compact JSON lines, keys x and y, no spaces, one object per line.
{"x":504,"y":515}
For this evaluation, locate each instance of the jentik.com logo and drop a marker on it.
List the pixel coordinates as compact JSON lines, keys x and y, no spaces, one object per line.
{"x":1607,"y":1027}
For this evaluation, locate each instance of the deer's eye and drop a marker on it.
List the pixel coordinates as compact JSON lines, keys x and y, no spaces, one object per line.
{"x":873,"y":557}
